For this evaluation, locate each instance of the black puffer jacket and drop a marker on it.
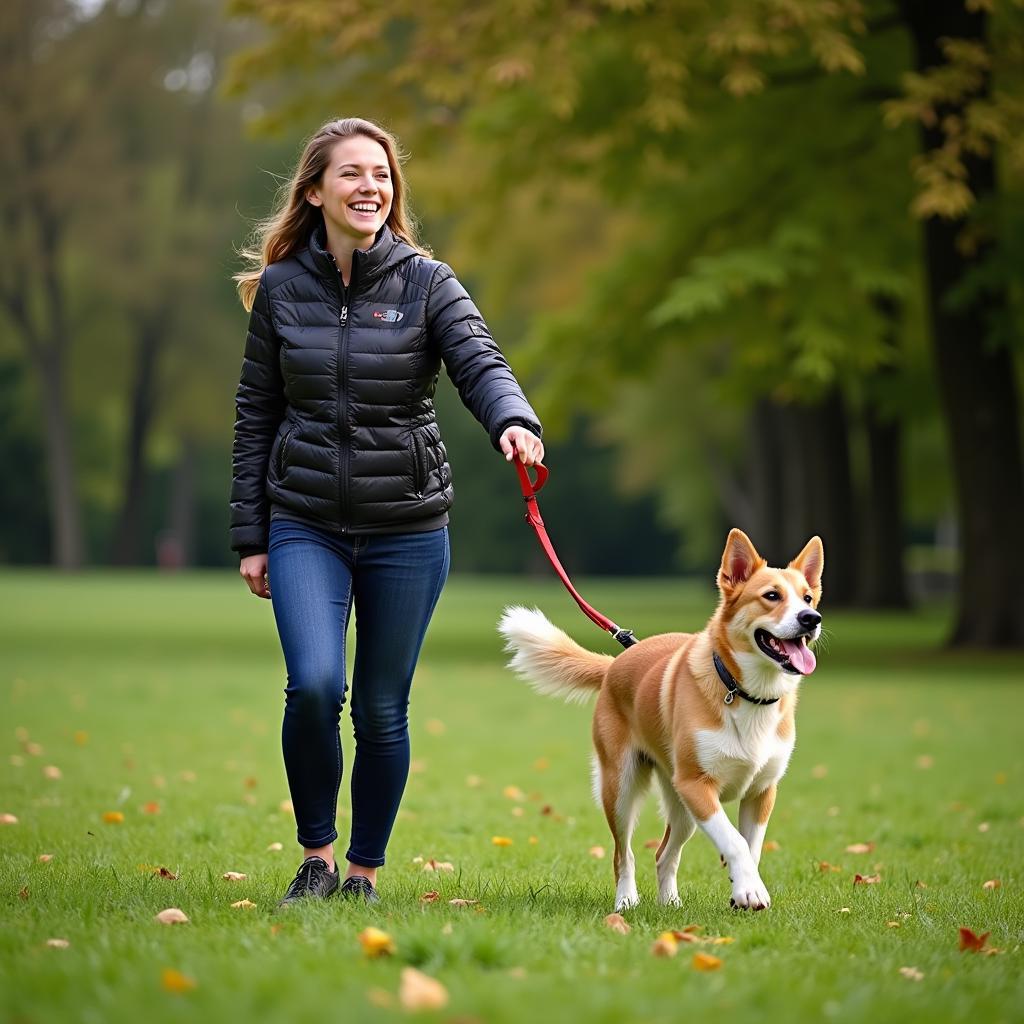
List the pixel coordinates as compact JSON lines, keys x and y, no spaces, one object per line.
{"x":335,"y":420}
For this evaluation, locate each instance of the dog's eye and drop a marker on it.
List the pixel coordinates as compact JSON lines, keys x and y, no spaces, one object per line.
{"x":807,"y":598}
{"x":772,"y":595}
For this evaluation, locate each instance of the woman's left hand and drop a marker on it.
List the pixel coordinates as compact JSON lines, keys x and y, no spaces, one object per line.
{"x":528,"y":445}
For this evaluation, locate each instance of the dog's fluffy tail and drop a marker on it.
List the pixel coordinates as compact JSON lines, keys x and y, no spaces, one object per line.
{"x":549,"y":660}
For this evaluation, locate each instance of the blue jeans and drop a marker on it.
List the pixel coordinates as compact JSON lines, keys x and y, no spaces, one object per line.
{"x":394,"y":581}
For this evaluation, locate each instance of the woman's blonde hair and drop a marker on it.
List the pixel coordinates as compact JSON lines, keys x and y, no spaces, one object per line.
{"x":289,"y":226}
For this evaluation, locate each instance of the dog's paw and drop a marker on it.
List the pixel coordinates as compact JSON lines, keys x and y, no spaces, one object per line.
{"x":626,"y":902}
{"x":669,"y":899}
{"x":750,"y":894}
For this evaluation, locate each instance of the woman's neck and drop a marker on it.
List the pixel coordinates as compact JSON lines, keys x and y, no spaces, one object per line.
{"x":341,"y":245}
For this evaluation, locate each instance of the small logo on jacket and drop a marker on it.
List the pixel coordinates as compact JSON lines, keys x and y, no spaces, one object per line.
{"x":391,"y":316}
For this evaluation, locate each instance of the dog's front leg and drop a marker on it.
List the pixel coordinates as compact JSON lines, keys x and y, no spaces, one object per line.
{"x":754,"y":814}
{"x":701,"y":797}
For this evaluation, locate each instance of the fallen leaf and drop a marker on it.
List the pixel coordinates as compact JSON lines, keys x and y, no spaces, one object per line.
{"x":920,"y":885}
{"x":665,"y":944}
{"x":234,"y":876}
{"x":417,"y":767}
{"x":23,"y":893}
{"x":892,"y":924}
{"x":243,"y":905}
{"x":8,"y":819}
{"x":438,"y":865}
{"x":501,"y":840}
{"x":866,"y":879}
{"x":912,"y":973}
{"x":286,"y":807}
{"x":860,"y":847}
{"x":970,"y":941}
{"x":596,"y":851}
{"x":1000,"y":778}
{"x":33,"y":749}
{"x":418,"y":991}
{"x":770,"y":846}
{"x":375,"y":942}
{"x":721,"y":940}
{"x":706,"y":962}
{"x":172,"y":915}
{"x":843,"y":910}
{"x":81,"y":737}
{"x":151,"y":807}
{"x":992,"y":883}
{"x":175,"y":981}
{"x":275,"y":847}
{"x":825,"y":866}
{"x":513,"y":793}
{"x":652,"y":844}
{"x":984,"y":826}
{"x":58,"y":943}
{"x":44,"y":858}
{"x":617,"y":923}
{"x":251,"y":782}
{"x":113,"y":817}
{"x":462,"y":903}
{"x":51,"y":771}
{"x":685,"y":936}
{"x":165,"y":873}
{"x":833,"y":812}
{"x":16,"y":760}
{"x":430,"y":897}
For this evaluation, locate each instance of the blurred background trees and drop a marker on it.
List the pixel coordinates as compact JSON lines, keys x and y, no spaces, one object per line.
{"x":755,"y":263}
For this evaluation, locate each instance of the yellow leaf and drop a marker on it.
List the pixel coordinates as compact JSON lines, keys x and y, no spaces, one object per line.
{"x":376,"y":942}
{"x":513,"y":793}
{"x":706,"y":962}
{"x":501,"y":840}
{"x":596,"y":851}
{"x":175,"y":981}
{"x":243,"y":905}
{"x":51,"y":771}
{"x":418,"y":991}
{"x":275,"y":847}
{"x":113,"y":817}
{"x":234,"y":876}
{"x":666,"y":944}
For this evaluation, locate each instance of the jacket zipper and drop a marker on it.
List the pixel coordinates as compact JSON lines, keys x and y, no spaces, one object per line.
{"x":419,"y":464}
{"x":343,"y":321}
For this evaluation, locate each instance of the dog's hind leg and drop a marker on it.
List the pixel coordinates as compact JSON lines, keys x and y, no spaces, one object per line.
{"x":621,"y":780}
{"x":679,"y":826}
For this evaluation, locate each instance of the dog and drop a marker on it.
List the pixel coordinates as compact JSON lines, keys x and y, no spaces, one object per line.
{"x":709,"y":714}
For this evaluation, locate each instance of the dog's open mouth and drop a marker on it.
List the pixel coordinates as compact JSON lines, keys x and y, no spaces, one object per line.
{"x":792,"y":655}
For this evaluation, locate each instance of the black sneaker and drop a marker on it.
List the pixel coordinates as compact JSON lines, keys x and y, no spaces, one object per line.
{"x":360,"y":885}
{"x":314,"y":880}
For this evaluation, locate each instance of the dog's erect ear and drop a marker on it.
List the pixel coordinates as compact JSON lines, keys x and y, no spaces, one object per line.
{"x":811,"y":562}
{"x":740,"y":561}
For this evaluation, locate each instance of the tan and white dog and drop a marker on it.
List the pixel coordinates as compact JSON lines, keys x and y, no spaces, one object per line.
{"x":708,"y":732}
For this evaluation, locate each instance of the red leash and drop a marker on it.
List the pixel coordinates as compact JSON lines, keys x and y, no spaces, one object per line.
{"x":533,"y":517}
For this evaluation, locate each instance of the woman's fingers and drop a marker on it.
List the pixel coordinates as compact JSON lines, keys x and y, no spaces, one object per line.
{"x":254,"y":571}
{"x":520,"y":441}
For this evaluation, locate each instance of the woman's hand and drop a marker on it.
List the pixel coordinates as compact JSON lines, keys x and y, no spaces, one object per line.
{"x":254,"y":571}
{"x":529,"y":446}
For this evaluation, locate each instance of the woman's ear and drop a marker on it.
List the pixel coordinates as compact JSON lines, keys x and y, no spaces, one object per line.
{"x":313,"y":197}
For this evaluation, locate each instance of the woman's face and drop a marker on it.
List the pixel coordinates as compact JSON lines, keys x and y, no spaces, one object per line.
{"x":355,"y":189}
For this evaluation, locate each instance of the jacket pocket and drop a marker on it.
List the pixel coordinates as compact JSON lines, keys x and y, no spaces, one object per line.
{"x":282,"y":451}
{"x":419,"y":462}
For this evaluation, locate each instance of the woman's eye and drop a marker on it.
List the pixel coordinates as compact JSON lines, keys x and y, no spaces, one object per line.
{"x":772,"y":595}
{"x":807,"y":598}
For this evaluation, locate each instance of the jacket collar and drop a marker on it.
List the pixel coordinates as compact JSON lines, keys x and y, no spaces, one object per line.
{"x":367,"y":264}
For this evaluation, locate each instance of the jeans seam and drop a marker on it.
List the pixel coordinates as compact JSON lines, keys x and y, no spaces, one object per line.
{"x":344,"y":686}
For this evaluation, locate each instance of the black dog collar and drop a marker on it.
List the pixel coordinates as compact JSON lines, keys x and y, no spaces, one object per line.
{"x":733,"y":687}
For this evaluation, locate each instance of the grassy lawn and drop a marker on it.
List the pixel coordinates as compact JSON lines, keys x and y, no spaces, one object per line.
{"x":165,"y":693}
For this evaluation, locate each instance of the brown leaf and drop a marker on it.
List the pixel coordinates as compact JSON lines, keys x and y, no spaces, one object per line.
{"x":462,"y":903}
{"x":860,"y":847}
{"x":172,"y":915}
{"x":438,"y":865}
{"x":992,"y":883}
{"x":44,"y":858}
{"x":617,"y":923}
{"x":665,"y":945}
{"x":418,"y":991}
{"x":23,"y":893}
{"x":8,"y":819}
{"x":866,"y":879}
{"x":912,"y":973}
{"x":234,"y":876}
{"x":652,"y":844}
{"x":706,"y":962}
{"x":165,"y":873}
{"x":971,"y":941}
{"x":771,"y":846}
{"x":596,"y":851}
{"x":51,"y":771}
{"x":430,"y":897}
{"x":825,"y":866}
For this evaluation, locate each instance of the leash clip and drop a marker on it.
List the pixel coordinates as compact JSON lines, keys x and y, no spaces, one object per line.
{"x":730,"y":696}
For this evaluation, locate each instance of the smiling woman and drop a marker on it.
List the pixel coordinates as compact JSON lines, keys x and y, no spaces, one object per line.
{"x":341,"y":484}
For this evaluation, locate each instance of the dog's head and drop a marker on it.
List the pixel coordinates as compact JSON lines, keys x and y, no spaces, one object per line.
{"x":770,"y":615}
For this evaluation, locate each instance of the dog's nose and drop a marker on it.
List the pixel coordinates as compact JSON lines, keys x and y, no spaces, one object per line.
{"x":809,"y":618}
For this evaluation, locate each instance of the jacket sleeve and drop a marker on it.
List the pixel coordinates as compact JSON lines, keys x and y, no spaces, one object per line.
{"x":474,"y":362}
{"x":259,"y":410}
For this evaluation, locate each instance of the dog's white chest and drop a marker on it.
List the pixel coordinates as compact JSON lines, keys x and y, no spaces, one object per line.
{"x":746,"y":754}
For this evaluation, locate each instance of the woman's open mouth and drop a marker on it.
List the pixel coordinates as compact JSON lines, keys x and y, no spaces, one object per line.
{"x":365,"y":209}
{"x":792,"y":655}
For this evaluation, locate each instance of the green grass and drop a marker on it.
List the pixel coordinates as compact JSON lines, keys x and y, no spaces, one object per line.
{"x":144,"y":688}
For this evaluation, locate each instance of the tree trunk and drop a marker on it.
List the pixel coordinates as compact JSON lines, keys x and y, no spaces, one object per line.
{"x":67,"y":543}
{"x":977,"y":381}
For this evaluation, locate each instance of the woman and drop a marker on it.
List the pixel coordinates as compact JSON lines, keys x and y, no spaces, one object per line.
{"x":341,"y":485}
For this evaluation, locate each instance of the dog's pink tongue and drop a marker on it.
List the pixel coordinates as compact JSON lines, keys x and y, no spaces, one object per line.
{"x":801,"y":657}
